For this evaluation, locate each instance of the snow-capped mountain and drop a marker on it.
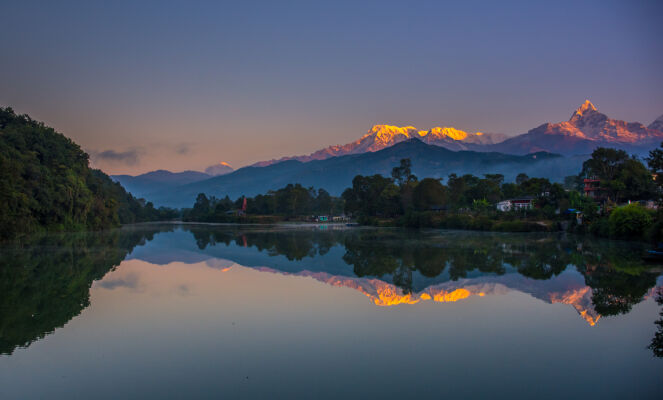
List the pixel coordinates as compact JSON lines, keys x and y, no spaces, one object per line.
{"x":221,"y":168}
{"x":586,"y":130}
{"x":382,"y":136}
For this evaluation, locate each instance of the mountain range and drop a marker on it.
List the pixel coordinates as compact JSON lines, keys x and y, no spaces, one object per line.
{"x":584,"y":131}
{"x":551,"y":150}
{"x":143,"y":185}
{"x":336,"y":173}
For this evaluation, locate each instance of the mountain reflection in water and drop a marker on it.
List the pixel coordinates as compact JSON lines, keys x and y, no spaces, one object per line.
{"x":45,"y":280}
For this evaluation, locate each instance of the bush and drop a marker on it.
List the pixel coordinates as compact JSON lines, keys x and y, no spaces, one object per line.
{"x":629,"y":222}
{"x":655,"y":232}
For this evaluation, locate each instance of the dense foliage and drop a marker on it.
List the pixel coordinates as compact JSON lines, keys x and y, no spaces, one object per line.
{"x":622,"y":177}
{"x":46,"y":183}
{"x":469,"y":202}
{"x":288,"y":202}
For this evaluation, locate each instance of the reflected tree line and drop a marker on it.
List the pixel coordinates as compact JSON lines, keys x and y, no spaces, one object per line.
{"x":45,"y":281}
{"x":615,"y":272}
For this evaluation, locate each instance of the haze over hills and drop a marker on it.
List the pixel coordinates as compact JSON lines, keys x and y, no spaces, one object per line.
{"x":145,"y":184}
{"x":336,"y":173}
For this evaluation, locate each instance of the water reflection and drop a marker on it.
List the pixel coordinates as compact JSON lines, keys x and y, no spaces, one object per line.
{"x":45,"y":281}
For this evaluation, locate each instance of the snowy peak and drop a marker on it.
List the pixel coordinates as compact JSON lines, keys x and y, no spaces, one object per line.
{"x":446,"y":131}
{"x":586,"y":130}
{"x":388,"y":132}
{"x":587,"y":108}
{"x":380,"y":136}
{"x":221,"y":168}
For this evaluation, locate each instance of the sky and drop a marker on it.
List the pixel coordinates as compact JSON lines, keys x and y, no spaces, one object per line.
{"x":184,"y":85}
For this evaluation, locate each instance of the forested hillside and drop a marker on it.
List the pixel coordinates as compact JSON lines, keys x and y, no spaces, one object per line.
{"x":46,"y":183}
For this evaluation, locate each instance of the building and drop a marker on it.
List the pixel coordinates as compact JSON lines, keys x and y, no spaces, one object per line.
{"x":521,"y":203}
{"x":504,"y":205}
{"x":593,"y":187}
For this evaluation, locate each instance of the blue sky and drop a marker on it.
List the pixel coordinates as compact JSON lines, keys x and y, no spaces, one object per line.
{"x":182,"y":85}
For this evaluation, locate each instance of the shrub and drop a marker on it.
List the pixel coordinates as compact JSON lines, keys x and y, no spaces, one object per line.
{"x":629,"y":222}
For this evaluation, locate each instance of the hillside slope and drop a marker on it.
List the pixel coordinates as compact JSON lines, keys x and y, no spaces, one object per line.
{"x":46,"y":183}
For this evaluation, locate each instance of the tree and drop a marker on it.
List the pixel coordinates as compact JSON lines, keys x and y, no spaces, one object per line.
{"x":429,"y":192}
{"x":403,"y":173}
{"x":655,"y":163}
{"x":496,"y":179}
{"x":622,"y":177}
{"x":361,"y":198}
{"x":604,"y":164}
{"x":201,"y":207}
{"x":323,"y":202}
{"x":521,"y":178}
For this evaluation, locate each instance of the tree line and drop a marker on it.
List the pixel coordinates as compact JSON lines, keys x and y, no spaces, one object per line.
{"x":468,"y":201}
{"x":291,"y":201}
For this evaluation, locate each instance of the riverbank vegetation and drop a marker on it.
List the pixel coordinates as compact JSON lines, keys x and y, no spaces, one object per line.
{"x":293,"y":202}
{"x":622,"y":203}
{"x":46,"y":184}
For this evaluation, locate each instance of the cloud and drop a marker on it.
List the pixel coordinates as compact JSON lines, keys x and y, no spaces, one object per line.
{"x":130,"y":281}
{"x":128,"y":157}
{"x":183,"y":148}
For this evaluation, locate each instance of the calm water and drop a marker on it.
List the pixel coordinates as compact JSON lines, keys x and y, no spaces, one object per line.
{"x":199,"y":311}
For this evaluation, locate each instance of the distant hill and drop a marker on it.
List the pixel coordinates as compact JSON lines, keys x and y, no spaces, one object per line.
{"x":336,"y":173}
{"x":142,"y":186}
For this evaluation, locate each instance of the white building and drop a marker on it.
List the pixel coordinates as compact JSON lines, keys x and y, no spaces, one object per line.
{"x":504,"y":205}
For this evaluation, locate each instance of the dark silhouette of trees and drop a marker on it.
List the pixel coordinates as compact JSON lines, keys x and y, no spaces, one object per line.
{"x":47,"y":184}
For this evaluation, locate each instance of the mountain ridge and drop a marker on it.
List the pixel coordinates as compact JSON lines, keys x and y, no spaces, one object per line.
{"x":336,"y":173}
{"x":583,"y":132}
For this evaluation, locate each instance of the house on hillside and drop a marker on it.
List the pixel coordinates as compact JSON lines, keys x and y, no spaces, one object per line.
{"x":521,"y":203}
{"x":593,"y":187}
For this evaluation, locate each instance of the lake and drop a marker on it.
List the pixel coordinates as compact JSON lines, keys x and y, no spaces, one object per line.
{"x":227,"y":311}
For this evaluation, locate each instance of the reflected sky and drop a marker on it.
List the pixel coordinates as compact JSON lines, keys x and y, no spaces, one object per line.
{"x":255,"y":313}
